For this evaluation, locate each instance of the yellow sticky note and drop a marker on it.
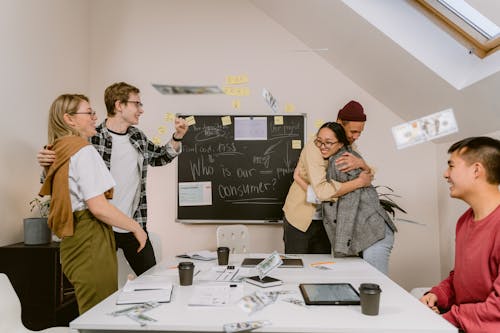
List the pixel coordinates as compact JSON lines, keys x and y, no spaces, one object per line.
{"x":236,"y":91}
{"x":162,"y":129}
{"x":236,"y":79}
{"x":226,"y":120}
{"x":289,"y":107}
{"x":156,"y":140}
{"x":318,"y":123}
{"x":296,"y":144}
{"x":190,"y":120}
{"x":236,"y":103}
{"x":278,"y":120}
{"x":169,"y":116}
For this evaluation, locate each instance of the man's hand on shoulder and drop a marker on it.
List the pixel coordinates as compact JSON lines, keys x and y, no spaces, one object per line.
{"x":46,"y":157}
{"x":348,"y":162}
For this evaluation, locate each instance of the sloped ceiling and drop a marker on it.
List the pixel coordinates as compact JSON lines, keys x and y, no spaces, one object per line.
{"x":383,"y":68}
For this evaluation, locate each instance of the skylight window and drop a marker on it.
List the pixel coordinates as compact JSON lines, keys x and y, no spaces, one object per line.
{"x":480,"y":35}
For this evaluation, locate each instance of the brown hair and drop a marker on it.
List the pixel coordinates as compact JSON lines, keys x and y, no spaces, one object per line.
{"x":119,"y":91}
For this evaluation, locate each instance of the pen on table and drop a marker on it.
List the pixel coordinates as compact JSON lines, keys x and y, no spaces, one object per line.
{"x":322,"y":263}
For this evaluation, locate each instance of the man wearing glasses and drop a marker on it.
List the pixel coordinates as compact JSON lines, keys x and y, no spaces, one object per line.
{"x":303,"y":221}
{"x":127,"y":152}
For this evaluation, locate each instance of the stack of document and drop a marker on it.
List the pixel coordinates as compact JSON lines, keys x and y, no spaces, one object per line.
{"x":149,"y":288}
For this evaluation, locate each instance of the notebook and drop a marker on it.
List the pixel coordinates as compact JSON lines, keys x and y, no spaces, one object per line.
{"x":287,"y":262}
{"x":148,"y":288}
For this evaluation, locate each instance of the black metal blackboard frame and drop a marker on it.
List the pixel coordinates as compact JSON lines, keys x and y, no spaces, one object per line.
{"x":248,"y":177}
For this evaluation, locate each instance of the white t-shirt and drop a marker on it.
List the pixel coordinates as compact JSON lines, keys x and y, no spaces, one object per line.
{"x":88,"y":177}
{"x":125,"y":171}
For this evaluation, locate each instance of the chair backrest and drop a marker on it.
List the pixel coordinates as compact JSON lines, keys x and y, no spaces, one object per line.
{"x":10,"y":307}
{"x":234,"y":236}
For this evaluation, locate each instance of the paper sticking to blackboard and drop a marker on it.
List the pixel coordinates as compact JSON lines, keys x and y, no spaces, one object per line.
{"x":195,"y":194}
{"x":424,"y":129}
{"x":278,"y":120}
{"x":250,"y":128}
{"x":190,"y":120}
{"x":226,"y":120}
{"x":270,"y":100}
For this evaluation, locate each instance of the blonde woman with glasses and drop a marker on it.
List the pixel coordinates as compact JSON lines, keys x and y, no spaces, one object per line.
{"x":80,"y":214}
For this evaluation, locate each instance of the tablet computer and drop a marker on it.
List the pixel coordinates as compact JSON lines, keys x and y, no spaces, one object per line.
{"x":329,"y":294}
{"x":287,"y":262}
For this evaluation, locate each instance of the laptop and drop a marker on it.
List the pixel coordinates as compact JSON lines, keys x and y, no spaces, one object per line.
{"x":287,"y":262}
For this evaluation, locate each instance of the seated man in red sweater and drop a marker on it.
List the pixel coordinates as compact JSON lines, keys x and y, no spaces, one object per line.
{"x":470,"y":295}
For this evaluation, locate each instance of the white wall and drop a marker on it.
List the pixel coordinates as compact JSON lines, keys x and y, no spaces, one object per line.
{"x":196,"y":42}
{"x":44,"y":52}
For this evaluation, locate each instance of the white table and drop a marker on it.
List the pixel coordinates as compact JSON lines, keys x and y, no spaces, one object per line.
{"x":399,"y":311}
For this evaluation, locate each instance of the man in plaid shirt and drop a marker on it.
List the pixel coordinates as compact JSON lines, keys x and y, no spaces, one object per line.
{"x":127,"y":152}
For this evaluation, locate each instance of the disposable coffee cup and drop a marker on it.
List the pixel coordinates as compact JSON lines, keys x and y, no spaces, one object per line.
{"x":369,"y":294}
{"x":186,"y":269}
{"x":223,"y":255}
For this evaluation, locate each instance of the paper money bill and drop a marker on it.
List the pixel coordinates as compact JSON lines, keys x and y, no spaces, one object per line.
{"x":268,"y":264}
{"x":424,"y":129}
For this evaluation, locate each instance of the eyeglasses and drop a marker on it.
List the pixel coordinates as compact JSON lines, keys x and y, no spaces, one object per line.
{"x":327,"y":145}
{"x":137,"y":103}
{"x":90,"y":113}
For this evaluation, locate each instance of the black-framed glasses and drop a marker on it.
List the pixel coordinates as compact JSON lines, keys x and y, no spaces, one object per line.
{"x":137,"y":103}
{"x":327,"y":144}
{"x":90,"y":113}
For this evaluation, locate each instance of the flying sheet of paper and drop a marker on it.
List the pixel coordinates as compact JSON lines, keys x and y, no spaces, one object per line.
{"x":424,"y":129}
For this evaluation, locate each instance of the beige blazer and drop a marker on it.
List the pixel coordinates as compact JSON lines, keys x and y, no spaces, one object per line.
{"x":298,"y":211}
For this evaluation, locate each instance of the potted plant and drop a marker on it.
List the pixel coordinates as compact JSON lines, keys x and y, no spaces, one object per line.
{"x":388,"y":204}
{"x":36,"y":230}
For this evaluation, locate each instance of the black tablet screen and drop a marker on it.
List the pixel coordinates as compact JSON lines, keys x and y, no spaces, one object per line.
{"x":329,"y":294}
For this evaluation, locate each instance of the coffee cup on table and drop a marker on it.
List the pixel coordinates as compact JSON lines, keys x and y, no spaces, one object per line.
{"x":222,"y":255}
{"x":186,"y":270}
{"x":369,"y":294}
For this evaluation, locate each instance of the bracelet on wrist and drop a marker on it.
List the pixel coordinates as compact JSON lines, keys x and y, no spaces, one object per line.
{"x":175,"y":139}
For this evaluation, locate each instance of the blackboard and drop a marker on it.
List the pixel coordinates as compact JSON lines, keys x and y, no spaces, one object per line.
{"x":244,"y":163}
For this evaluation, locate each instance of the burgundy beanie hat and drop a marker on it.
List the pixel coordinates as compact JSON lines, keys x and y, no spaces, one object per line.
{"x":352,"y":111}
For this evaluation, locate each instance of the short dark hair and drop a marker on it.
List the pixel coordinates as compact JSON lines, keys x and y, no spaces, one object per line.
{"x":484,"y":150}
{"x":119,"y":91}
{"x":338,"y":130}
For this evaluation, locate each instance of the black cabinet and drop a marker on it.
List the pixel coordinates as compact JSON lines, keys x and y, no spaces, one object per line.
{"x":47,"y":297}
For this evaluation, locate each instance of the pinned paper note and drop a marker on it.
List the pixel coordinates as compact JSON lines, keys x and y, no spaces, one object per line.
{"x":296,"y":144}
{"x":168,"y":117}
{"x":237,"y":91}
{"x":289,"y":107}
{"x":156,"y":140}
{"x":318,"y":123}
{"x":226,"y":120}
{"x":190,"y":120}
{"x":236,"y":79}
{"x":162,"y":129}
{"x":278,"y":120}
{"x":236,"y":104}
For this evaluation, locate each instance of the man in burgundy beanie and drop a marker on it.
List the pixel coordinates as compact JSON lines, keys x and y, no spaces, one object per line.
{"x":352,"y":117}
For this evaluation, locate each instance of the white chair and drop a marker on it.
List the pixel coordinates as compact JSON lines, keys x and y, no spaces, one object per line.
{"x":10,"y":311}
{"x":234,"y":236}
{"x":124,"y":268}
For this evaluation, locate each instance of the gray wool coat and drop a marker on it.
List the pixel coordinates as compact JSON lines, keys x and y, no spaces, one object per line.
{"x":356,"y":220}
